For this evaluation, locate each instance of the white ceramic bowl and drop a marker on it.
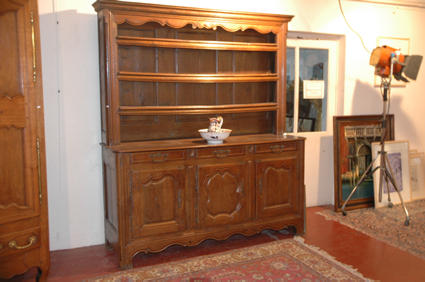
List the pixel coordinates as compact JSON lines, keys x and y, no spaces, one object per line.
{"x":215,"y":137}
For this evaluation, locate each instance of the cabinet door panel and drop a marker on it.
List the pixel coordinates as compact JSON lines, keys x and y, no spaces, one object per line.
{"x":157,"y":201}
{"x":224,"y":196}
{"x":277,"y":186}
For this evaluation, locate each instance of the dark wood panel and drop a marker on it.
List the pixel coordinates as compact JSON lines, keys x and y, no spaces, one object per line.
{"x":140,"y":94}
{"x":196,"y":94}
{"x":225,"y":62}
{"x":261,"y":62}
{"x":190,"y":94}
{"x":187,"y":61}
{"x":225,"y":93}
{"x":196,"y":61}
{"x":136,"y":59}
{"x":254,"y":92}
{"x":142,"y":128}
{"x":167,"y":62}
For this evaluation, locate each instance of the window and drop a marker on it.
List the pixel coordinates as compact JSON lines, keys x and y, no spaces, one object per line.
{"x":307,"y":85}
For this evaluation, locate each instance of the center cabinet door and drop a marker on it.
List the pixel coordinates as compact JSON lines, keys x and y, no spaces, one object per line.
{"x":157,"y":200}
{"x":224,"y":194}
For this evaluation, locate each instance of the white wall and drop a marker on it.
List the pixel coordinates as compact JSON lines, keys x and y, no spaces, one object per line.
{"x":72,"y":122}
{"x":71,"y":96}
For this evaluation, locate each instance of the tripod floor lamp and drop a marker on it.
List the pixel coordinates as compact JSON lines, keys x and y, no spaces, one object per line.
{"x":388,"y":63}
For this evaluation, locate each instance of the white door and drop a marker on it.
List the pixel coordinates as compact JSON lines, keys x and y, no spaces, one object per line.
{"x":312,"y":77}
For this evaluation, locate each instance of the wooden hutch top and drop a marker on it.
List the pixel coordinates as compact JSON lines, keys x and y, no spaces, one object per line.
{"x":168,"y":68}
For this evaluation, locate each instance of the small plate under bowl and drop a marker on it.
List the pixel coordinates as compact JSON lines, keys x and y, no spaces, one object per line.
{"x":215,"y":137}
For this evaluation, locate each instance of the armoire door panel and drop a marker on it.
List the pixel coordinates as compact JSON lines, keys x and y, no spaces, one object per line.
{"x":10,"y":47}
{"x":18,"y":195}
{"x":18,"y":162}
{"x":157,"y":201}
{"x":12,"y":111}
{"x":23,"y":192}
{"x":12,"y":174}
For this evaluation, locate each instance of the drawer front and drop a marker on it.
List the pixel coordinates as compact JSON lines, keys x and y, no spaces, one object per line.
{"x":158,"y":156}
{"x":15,"y":243}
{"x":276,"y":147}
{"x":221,"y":152}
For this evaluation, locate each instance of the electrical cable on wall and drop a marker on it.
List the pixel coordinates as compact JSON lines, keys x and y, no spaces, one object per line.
{"x":351,"y":28}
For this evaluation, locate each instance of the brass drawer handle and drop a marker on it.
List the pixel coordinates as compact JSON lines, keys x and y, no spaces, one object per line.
{"x":159,"y":157}
{"x":221,"y":153}
{"x":277,"y":148}
{"x":13,"y":244}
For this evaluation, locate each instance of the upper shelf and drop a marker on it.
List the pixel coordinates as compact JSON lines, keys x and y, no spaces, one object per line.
{"x":195,"y":44}
{"x":197,"y":78}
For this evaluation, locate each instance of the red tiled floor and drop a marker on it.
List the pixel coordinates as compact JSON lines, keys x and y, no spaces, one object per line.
{"x":375,"y":259}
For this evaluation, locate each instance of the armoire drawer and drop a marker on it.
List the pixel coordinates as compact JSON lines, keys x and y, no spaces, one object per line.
{"x":19,"y":242}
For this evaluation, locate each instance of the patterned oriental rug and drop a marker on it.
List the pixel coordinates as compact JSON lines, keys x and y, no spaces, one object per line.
{"x":387,"y":224}
{"x":284,"y":260}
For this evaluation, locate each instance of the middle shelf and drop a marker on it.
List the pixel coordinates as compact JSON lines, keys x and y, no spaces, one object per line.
{"x":198,"y":78}
{"x":195,"y":44}
{"x":198,"y":109}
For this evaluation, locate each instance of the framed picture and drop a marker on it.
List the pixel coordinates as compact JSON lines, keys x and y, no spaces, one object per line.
{"x":353,"y":137}
{"x":398,"y":43}
{"x":417,"y":175}
{"x":398,"y":158}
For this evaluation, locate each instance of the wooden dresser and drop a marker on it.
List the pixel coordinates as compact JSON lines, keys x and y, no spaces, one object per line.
{"x":164,"y":71}
{"x":24,"y":233}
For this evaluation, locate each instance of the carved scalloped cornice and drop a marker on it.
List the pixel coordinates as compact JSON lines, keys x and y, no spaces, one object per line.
{"x":177,"y":17}
{"x":179,"y":23}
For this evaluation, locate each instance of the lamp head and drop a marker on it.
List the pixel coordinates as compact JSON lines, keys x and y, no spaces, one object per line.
{"x":403,"y":66}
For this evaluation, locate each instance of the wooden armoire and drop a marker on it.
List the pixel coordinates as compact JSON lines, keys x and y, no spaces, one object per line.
{"x":24,"y":236}
{"x":164,"y":70}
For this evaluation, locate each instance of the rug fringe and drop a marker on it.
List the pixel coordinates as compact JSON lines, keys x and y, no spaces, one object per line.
{"x":316,"y":249}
